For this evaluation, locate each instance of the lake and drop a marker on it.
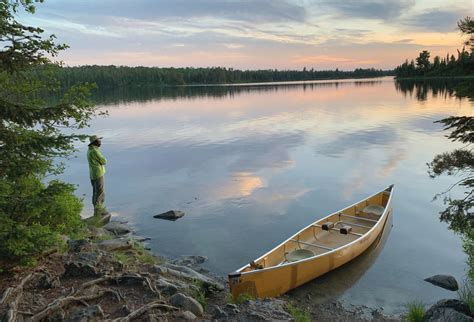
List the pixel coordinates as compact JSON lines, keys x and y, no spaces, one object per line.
{"x":250,"y":165}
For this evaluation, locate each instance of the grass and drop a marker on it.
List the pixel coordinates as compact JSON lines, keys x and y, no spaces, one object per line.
{"x":199,"y":294}
{"x":298,"y":314}
{"x":466,"y":294}
{"x":416,"y":311}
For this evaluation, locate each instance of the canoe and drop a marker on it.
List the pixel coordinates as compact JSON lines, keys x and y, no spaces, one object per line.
{"x":318,"y":248}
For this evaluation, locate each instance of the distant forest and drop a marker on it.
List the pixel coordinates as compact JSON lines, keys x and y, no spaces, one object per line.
{"x":119,"y":76}
{"x":462,"y":65}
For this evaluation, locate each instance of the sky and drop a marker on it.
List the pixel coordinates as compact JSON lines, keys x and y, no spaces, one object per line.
{"x":252,"y":34}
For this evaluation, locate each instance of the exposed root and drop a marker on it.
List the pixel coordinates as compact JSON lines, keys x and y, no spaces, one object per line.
{"x":12,"y":297}
{"x":67,"y":300}
{"x":145,"y":308}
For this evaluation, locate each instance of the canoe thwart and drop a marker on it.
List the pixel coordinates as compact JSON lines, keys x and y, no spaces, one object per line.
{"x":335,"y":229}
{"x":357,"y":217}
{"x":311,"y":244}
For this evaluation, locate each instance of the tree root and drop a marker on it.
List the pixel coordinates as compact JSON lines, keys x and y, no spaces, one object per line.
{"x":65,"y":301}
{"x":121,"y":279}
{"x":12,"y":296}
{"x":144,"y":309}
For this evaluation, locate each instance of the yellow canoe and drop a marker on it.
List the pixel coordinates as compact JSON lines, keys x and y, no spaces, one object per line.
{"x":315,"y":250}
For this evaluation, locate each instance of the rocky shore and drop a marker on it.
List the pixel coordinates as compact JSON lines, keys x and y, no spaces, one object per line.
{"x":109,"y":275}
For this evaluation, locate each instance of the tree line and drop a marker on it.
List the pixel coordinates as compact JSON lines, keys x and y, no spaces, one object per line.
{"x":119,"y":76}
{"x":460,"y":65}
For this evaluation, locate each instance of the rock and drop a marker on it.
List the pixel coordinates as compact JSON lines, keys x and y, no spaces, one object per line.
{"x":98,"y":232}
{"x":186,"y":272}
{"x":140,"y":239}
{"x":187,"y":303}
{"x":47,"y":281}
{"x":98,"y":220}
{"x":448,"y":310}
{"x":445,"y":281}
{"x":83,"y":265}
{"x":189,"y":260}
{"x":170,"y":215}
{"x":117,"y":228}
{"x":115,"y":244}
{"x":218,"y":313}
{"x":79,"y":245}
{"x":186,"y":315}
{"x":87,"y":314}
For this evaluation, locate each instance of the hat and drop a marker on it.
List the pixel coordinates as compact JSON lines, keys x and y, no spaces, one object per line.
{"x":93,"y":138}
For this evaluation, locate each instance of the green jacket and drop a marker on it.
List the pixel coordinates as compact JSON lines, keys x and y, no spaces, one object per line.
{"x":96,"y":162}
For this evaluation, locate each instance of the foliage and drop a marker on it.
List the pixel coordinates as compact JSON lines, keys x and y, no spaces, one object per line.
{"x":459,"y":163}
{"x":466,"y":26}
{"x":466,"y":294}
{"x":33,"y":211}
{"x":123,"y":76}
{"x":416,"y":311}
{"x":298,"y":314}
{"x":461,"y":65}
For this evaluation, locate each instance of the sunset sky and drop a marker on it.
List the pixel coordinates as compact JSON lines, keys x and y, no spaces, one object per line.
{"x":252,"y":34}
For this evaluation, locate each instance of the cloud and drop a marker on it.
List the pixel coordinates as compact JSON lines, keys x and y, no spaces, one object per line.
{"x":440,"y":20}
{"x":371,"y":9}
{"x":362,"y":139}
{"x":245,"y":10}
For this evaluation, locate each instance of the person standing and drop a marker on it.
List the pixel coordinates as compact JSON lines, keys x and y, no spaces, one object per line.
{"x":96,"y":172}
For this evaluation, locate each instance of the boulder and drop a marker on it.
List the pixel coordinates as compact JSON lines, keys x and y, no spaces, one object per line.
{"x":189,"y":260}
{"x":115,"y":244}
{"x":445,"y":281}
{"x":170,"y":215}
{"x":188,"y":273}
{"x":82,"y":265}
{"x":117,"y":228}
{"x":87,"y":314}
{"x":98,"y":232}
{"x":448,"y":310}
{"x":187,"y":303}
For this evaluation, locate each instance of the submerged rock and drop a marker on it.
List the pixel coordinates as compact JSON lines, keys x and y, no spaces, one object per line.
{"x":445,"y":281}
{"x":170,"y":215}
{"x":189,"y":260}
{"x":448,"y":310}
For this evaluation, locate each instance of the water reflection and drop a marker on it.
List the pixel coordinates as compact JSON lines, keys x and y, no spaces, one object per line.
{"x":421,"y":89}
{"x":110,"y":96}
{"x":251,"y":165}
{"x":335,"y":283}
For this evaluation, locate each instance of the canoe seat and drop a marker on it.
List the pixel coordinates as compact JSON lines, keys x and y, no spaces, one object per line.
{"x":327,"y":225}
{"x":299,"y":254}
{"x":345,"y":229}
{"x":374,"y":210}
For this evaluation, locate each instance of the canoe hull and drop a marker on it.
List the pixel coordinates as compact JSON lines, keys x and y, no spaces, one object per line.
{"x":280,"y":279}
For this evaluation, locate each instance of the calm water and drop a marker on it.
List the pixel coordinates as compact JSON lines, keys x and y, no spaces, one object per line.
{"x":250,"y":165}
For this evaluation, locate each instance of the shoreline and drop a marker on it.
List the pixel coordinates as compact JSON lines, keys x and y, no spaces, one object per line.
{"x":108,"y":274}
